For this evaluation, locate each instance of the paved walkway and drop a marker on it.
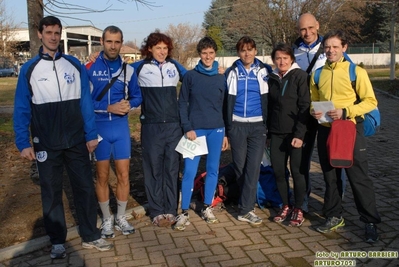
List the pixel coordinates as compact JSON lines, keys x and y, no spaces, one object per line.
{"x":233,"y":243}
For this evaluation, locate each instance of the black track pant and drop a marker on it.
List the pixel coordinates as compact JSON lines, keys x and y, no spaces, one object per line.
{"x":50,"y":165}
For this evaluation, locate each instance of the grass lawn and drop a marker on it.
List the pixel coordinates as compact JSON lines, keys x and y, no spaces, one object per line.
{"x":381,"y":73}
{"x":7,"y":90}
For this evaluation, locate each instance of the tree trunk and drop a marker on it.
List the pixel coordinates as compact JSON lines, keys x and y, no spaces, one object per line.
{"x":35,"y":14}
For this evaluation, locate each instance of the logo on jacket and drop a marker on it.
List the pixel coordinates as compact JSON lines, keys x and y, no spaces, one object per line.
{"x":100,"y":73}
{"x":241,"y":75}
{"x":68,"y":78}
{"x":265,"y":77}
{"x":171,"y":73}
{"x":41,"y":156}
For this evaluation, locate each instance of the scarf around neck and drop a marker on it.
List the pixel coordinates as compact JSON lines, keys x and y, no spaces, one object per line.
{"x":207,"y":71}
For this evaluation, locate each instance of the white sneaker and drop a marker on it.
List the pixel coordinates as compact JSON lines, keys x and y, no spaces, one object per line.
{"x":251,"y":218}
{"x":208,"y":215}
{"x":121,"y":224}
{"x":99,"y":244}
{"x":181,"y":221}
{"x":107,"y":227}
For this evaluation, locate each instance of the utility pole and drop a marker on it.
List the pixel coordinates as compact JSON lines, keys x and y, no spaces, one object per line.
{"x":393,"y":37}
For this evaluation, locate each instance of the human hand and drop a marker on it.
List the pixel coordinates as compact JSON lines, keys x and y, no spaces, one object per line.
{"x":296,"y":143}
{"x":28,"y":153}
{"x":92,"y":145}
{"x":316,"y":114}
{"x":335,"y":114}
{"x":221,"y":70}
{"x":93,"y":56}
{"x":191,"y":135}
{"x":119,"y":108}
{"x":225,"y":144}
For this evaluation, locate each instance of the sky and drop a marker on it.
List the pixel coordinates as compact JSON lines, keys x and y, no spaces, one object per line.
{"x":136,"y":22}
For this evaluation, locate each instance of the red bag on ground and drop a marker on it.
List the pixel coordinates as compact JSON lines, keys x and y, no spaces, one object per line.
{"x":341,"y":143}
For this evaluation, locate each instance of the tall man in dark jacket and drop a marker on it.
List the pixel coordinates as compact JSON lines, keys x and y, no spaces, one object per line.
{"x":306,"y":47}
{"x":53,"y":98}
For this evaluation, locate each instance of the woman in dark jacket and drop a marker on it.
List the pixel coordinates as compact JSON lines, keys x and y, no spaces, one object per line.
{"x":288,"y":112}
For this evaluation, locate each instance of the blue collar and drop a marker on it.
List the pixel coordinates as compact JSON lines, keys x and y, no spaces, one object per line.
{"x":319,"y":40}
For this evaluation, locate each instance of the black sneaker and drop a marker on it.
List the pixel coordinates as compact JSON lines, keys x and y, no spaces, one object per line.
{"x":331,"y":224}
{"x":371,"y":233}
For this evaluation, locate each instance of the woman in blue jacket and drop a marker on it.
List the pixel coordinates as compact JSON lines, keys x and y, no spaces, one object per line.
{"x":246,"y":111}
{"x":201,"y":114}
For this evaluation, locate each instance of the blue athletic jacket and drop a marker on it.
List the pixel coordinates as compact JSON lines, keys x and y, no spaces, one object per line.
{"x":248,"y":90}
{"x":53,"y":98}
{"x":158,"y":84}
{"x":124,"y":88}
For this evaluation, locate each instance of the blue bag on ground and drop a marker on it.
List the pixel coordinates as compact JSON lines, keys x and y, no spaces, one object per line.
{"x":267,"y":193}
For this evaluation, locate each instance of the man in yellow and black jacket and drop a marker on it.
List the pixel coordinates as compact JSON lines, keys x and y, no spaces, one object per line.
{"x":335,"y":85}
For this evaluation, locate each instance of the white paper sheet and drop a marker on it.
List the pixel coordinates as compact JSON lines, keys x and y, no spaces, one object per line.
{"x":323,"y":106}
{"x":190,"y":149}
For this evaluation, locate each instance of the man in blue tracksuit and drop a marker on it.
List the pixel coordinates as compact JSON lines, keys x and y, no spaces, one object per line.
{"x":53,"y":99}
{"x":158,"y":76}
{"x":115,"y":92}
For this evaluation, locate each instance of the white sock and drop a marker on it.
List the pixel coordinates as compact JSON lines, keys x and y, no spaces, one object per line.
{"x":104,"y":206}
{"x":121,"y":208}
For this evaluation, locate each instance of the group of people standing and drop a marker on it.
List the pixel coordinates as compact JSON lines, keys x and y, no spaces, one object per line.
{"x":73,"y":110}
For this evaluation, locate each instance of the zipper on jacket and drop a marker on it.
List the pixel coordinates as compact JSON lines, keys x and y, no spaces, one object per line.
{"x":246,"y":96}
{"x":285,"y":86}
{"x":59,"y":91}
{"x":332,"y":79}
{"x":163,"y":98}
{"x":58,"y":80}
{"x":109,"y":91}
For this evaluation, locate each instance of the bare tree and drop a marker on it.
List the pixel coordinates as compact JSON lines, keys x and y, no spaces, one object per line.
{"x":185,"y":38}
{"x":272,"y":21}
{"x":62,"y":9}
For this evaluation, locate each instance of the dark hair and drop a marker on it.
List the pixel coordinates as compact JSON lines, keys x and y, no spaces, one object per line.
{"x":245,"y":40}
{"x":285,"y":48}
{"x":338,"y":34}
{"x":154,"y":39}
{"x":206,"y":42}
{"x":49,"y":21}
{"x":112,"y":29}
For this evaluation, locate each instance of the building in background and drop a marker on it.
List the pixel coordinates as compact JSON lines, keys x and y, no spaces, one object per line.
{"x":79,"y":41}
{"x":130,"y":54}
